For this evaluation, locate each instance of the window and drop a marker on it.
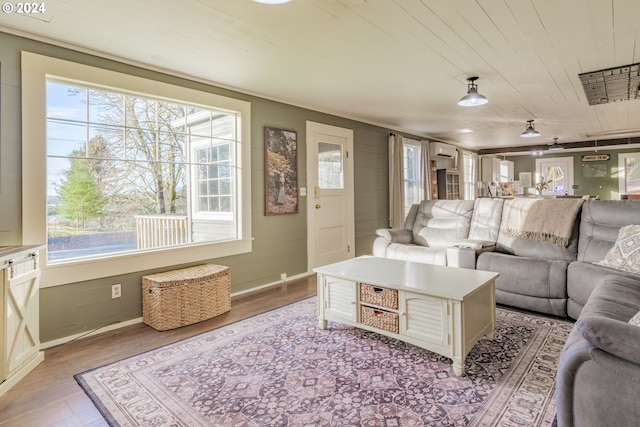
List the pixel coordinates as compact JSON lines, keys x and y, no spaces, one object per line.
{"x":413,"y":186}
{"x":629,"y":176}
{"x":557,"y":173}
{"x":469,"y":161}
{"x":132,"y":167}
{"x":330,"y":171}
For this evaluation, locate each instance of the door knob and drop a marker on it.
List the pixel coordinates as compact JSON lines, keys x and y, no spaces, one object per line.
{"x":317,"y":206}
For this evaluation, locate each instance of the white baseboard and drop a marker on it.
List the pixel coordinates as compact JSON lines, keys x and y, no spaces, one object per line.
{"x":111,"y":327}
{"x":118,"y":325}
{"x":276,"y":283}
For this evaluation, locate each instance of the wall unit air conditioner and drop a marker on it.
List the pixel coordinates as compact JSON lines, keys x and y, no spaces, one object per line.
{"x":441,"y":150}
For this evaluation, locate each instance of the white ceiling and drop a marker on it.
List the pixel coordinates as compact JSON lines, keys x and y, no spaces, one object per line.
{"x":402,"y":64}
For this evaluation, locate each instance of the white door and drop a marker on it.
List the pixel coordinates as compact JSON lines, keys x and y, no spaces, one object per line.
{"x":330,"y":215}
{"x":559,"y":172}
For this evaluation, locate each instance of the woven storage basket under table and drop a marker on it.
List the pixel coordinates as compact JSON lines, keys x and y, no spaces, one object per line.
{"x":381,"y":319}
{"x":186,"y":296}
{"x":379,"y":296}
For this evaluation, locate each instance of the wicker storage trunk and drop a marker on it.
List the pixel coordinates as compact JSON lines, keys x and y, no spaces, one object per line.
{"x":182,"y":297}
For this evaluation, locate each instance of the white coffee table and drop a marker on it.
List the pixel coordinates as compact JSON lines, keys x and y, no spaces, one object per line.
{"x":442,"y":309}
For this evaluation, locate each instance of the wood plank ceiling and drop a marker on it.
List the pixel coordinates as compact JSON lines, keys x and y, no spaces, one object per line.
{"x":401,"y":64}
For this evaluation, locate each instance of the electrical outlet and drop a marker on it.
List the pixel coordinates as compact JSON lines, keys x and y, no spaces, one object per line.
{"x":283,"y":276}
{"x":116,"y":290}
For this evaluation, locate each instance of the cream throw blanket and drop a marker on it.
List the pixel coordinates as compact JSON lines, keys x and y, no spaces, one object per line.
{"x":549,"y":220}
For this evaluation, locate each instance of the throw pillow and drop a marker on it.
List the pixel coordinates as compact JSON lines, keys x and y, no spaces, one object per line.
{"x":625,"y":253}
{"x":635,"y":320}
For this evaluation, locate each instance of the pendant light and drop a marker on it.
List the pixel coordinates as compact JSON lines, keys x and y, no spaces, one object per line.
{"x":472,"y":98}
{"x":530,"y":131}
{"x":555,"y":146}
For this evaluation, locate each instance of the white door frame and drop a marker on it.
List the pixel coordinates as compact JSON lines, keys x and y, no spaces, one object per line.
{"x":314,"y":128}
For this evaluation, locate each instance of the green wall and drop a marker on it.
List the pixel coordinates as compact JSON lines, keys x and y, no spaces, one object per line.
{"x":583,"y":172}
{"x":280,"y":242}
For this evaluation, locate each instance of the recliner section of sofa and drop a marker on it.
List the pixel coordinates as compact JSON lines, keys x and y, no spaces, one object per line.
{"x":598,"y":376}
{"x":599,"y":226}
{"x":533,"y":273}
{"x":429,"y":229}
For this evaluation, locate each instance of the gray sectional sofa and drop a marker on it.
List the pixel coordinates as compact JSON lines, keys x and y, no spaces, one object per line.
{"x":534,"y":275}
{"x":598,"y":379}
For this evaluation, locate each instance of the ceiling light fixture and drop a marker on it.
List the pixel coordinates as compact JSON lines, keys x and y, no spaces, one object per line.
{"x":530,"y":131}
{"x":472,"y":98}
{"x":555,"y":146}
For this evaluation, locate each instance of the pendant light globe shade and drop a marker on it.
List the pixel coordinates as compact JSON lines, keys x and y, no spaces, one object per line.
{"x":472,"y":98}
{"x":530,"y":131}
{"x":555,"y":146}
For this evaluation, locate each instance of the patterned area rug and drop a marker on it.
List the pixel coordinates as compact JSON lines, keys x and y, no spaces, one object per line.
{"x":281,"y":369}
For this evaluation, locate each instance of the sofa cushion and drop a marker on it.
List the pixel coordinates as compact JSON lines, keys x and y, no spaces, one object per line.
{"x":600,"y":223}
{"x":604,"y":319}
{"x":625,"y":253}
{"x":526,"y":276}
{"x":417,"y":253}
{"x":440,"y":223}
{"x":485,"y":221}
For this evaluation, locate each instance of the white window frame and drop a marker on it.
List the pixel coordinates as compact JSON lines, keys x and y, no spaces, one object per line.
{"x":35,"y":70}
{"x":622,"y":179}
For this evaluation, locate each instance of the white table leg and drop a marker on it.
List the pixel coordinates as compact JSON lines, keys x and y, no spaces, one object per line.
{"x":458,"y":366}
{"x":322,"y":323}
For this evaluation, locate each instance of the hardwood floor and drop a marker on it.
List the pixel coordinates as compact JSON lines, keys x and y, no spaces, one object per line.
{"x":50,"y":397}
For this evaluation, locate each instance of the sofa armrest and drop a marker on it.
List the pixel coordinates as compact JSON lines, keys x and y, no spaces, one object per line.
{"x":464,"y":253}
{"x":613,"y":336}
{"x":396,"y":235}
{"x":473,"y":244}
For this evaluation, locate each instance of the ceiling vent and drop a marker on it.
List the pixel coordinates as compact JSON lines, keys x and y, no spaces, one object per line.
{"x":612,"y":84}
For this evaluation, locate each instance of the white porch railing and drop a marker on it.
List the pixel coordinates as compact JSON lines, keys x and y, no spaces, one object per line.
{"x":156,"y":231}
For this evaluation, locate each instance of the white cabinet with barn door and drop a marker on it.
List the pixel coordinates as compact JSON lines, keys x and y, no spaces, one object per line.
{"x":20,"y":320}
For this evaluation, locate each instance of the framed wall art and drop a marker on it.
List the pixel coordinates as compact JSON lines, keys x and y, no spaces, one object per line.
{"x":280,"y":171}
{"x":525,"y":179}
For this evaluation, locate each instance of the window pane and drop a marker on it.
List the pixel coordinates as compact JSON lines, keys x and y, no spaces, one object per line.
{"x":469,"y":175}
{"x":66,"y":102}
{"x":413,"y":192}
{"x":106,"y":107}
{"x":330,"y":166}
{"x":64,"y":138}
{"x":105,"y":142}
{"x":632,"y":175}
{"x":557,"y":177}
